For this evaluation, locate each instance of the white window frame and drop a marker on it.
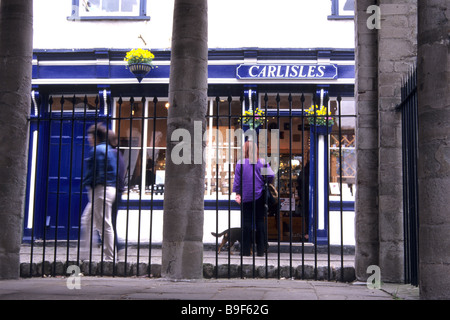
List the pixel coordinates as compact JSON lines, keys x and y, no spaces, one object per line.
{"x":79,"y":13}
{"x":337,"y":12}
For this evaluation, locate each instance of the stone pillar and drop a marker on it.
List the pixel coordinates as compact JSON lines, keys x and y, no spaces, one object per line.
{"x":397,"y":52}
{"x":182,"y":248}
{"x":366,"y":90}
{"x":434,"y":148}
{"x":16,"y":48}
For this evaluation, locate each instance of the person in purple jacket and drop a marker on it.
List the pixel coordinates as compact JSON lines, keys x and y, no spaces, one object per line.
{"x":250,"y":177}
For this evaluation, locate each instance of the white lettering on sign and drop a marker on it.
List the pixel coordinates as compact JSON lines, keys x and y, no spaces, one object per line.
{"x":287,"y":71}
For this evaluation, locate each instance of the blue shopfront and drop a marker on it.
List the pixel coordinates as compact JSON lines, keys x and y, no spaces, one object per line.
{"x":73,"y":89}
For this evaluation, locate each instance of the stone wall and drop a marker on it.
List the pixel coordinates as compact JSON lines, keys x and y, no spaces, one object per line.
{"x":366,"y":91}
{"x":433,"y":75}
{"x":384,"y":55}
{"x":397,"y":52}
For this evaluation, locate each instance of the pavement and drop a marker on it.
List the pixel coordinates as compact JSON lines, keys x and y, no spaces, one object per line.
{"x":279,"y":295}
{"x":144,"y":288}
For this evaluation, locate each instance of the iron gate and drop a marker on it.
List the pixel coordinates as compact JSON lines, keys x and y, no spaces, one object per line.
{"x":408,"y":108}
{"x":305,"y":235}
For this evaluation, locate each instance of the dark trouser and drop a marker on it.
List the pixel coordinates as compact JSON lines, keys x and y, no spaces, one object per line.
{"x":248,"y":220}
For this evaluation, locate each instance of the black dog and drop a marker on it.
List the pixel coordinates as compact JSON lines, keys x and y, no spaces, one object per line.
{"x":230,"y":235}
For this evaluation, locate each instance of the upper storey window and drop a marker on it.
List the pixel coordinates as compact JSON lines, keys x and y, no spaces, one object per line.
{"x":342,"y":9}
{"x":109,"y":10}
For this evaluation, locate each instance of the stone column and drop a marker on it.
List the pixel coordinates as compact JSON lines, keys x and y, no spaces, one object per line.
{"x":182,"y":248}
{"x":16,"y":37}
{"x":434,"y":148}
{"x":397,"y":52}
{"x":366,"y":91}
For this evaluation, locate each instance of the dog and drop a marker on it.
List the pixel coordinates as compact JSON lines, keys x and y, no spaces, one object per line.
{"x":230,"y":236}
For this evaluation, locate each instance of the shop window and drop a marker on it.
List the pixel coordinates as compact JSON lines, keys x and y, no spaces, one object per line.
{"x":221,"y":149}
{"x":342,"y":151}
{"x":109,"y":9}
{"x":141,"y":129}
{"x":342,"y":9}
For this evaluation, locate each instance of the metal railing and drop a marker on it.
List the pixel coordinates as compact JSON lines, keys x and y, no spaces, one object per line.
{"x":298,"y":234}
{"x":408,"y":108}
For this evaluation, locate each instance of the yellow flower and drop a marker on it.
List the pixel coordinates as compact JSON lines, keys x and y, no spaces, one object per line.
{"x":139,"y":56}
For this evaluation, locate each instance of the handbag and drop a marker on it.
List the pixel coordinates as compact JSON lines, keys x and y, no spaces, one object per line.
{"x":272,"y":197}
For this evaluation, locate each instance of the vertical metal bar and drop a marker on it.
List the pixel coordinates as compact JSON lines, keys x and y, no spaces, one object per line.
{"x":266,"y":215}
{"x":217,"y":100}
{"x":229,"y":175}
{"x":91,"y":227}
{"x":252,"y":105}
{"x":105,"y":164}
{"x":128,"y":182}
{"x":119,"y":197}
{"x":291,"y":229}
{"x":37,"y":145}
{"x":327,"y":195}
{"x":410,"y":161}
{"x":155,"y":103}
{"x":315,"y":198}
{"x":339,"y":99}
{"x":142,"y":183}
{"x":408,"y":107}
{"x":80,"y":210}
{"x":58,"y":187}
{"x":50,"y":102}
{"x":305,"y":210}
{"x":115,"y":207}
{"x":70,"y":180}
{"x":416,"y":182}
{"x":102,"y":243}
{"x":278,"y":214}
{"x":241,"y":158}
{"x":406,"y":227}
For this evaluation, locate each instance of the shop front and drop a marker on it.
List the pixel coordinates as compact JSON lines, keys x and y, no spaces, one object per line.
{"x":314,"y":169}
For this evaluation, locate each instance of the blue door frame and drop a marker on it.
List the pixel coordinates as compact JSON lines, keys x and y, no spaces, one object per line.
{"x":59,"y":198}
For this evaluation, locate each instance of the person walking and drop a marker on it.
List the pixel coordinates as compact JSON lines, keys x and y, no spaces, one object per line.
{"x":250,"y":177}
{"x":100,"y":182}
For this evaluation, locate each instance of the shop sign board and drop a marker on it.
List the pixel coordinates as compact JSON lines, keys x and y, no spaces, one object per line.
{"x":286,"y":71}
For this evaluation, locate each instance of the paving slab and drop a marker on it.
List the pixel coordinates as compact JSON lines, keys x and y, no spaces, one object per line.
{"x":135,"y":288}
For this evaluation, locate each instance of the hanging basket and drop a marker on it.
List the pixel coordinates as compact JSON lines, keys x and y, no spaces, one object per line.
{"x":140,"y":70}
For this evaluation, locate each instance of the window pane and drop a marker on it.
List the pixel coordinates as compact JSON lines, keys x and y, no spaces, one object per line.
{"x":346,"y":7}
{"x":90,"y":6}
{"x":221,"y":150}
{"x":342,"y":151}
{"x":130,"y":6}
{"x":110,"y":5}
{"x":142,"y":137}
{"x":130,"y":131}
{"x":156,"y":153}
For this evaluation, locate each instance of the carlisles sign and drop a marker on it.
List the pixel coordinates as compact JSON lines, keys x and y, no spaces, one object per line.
{"x":286,"y":71}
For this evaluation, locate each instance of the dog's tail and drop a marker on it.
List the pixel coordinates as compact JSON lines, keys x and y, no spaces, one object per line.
{"x":217,"y":235}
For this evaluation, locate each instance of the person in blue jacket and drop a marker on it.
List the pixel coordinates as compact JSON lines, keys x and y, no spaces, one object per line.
{"x":100,"y":181}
